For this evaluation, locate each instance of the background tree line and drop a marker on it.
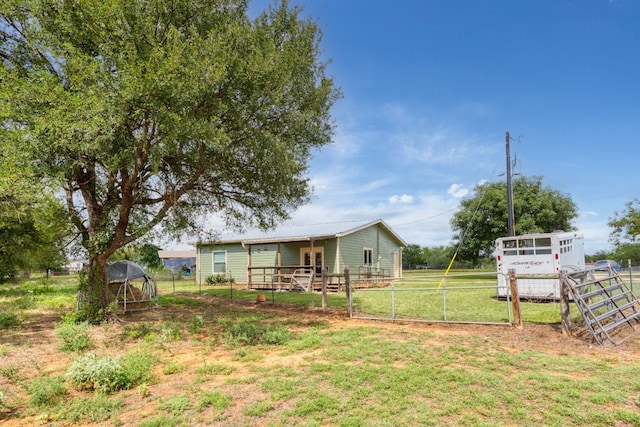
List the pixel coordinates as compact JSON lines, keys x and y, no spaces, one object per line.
{"x":482,"y":218}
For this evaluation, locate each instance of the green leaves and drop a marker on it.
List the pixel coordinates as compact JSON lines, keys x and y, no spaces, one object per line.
{"x":156,"y":113}
{"x":483,"y":217}
{"x":626,"y":224}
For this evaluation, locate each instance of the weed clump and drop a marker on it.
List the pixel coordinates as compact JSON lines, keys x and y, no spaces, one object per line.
{"x":75,"y":337}
{"x":250,"y":333}
{"x":109,"y":374}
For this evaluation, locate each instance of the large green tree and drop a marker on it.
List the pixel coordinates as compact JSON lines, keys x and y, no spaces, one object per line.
{"x":412,"y":256}
{"x":626,"y":224}
{"x":154,"y":113}
{"x":483,"y":217}
{"x":34,"y":228}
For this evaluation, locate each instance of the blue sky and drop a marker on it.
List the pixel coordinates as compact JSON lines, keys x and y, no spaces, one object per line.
{"x":431,"y":86}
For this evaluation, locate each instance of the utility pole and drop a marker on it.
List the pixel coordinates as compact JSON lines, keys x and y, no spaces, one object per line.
{"x":511,"y":226}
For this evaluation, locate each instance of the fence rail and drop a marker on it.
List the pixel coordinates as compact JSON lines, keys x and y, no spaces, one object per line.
{"x":460,"y":298}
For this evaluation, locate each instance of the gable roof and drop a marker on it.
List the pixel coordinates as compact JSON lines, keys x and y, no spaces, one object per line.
{"x":301,"y":233}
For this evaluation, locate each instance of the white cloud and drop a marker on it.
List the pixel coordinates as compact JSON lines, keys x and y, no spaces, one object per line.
{"x":405,"y":198}
{"x":457,"y":190}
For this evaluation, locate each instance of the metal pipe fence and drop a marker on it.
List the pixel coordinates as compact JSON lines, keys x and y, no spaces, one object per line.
{"x":459,"y":298}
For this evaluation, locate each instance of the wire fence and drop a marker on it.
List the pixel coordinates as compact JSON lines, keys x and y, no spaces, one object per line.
{"x":460,"y":298}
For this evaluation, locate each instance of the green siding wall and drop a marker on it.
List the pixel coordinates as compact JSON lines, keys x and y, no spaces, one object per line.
{"x":236,"y":261}
{"x":377,"y":238}
{"x":382,"y":243}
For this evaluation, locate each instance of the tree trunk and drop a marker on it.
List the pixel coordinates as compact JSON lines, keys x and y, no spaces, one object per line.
{"x":94,"y":292}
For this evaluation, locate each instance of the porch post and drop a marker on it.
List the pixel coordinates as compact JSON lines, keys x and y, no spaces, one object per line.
{"x":312,"y":261}
{"x":249,"y":266}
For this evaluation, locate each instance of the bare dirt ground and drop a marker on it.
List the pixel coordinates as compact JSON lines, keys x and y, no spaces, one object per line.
{"x":33,"y":350}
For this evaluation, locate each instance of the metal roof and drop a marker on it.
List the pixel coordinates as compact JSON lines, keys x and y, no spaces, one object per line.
{"x":302,"y":232}
{"x":176,"y":254}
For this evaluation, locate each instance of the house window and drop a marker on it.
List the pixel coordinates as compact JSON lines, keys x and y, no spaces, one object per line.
{"x":219,"y":262}
{"x":368,"y":257}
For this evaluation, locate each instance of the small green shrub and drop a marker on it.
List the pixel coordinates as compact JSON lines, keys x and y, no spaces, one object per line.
{"x":244,"y":333}
{"x":10,"y":372}
{"x":176,"y":405}
{"x":170,"y":331}
{"x":134,"y":332}
{"x":75,"y":337}
{"x":24,"y":303}
{"x":105,"y":374}
{"x":219,"y":279}
{"x":109,"y":374}
{"x":259,"y":408}
{"x":137,"y":366}
{"x":196,"y":325}
{"x":41,"y":287}
{"x":277,"y":336}
{"x":250,"y":333}
{"x":94,"y":409}
{"x":160,"y":421}
{"x":173,"y":368}
{"x":216,"y":399}
{"x":46,"y":391}
{"x":207,"y":370}
{"x":72,"y":317}
{"x":9,"y":321}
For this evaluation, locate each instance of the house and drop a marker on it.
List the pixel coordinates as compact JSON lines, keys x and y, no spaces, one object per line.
{"x":369,"y":249}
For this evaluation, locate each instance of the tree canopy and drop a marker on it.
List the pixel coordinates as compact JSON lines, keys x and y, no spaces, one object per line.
{"x":34,"y":229}
{"x":483,"y":217}
{"x":626,"y":224}
{"x":153,"y":113}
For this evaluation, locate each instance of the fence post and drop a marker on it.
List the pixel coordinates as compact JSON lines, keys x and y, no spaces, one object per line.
{"x":325,"y":272}
{"x":515,"y":299}
{"x":564,"y":306}
{"x":347,"y":287}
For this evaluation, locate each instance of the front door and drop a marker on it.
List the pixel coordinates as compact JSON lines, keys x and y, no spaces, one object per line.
{"x":308,"y":260}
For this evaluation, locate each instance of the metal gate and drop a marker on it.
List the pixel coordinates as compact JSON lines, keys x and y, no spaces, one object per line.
{"x":456,"y":298}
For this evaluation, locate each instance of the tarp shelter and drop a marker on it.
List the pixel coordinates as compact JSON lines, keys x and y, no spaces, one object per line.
{"x":120,"y":275}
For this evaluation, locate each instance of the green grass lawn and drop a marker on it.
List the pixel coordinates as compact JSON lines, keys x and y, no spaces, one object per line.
{"x":458,"y":297}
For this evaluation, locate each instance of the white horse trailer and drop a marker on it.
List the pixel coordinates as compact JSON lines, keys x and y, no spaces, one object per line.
{"x":537,"y":260}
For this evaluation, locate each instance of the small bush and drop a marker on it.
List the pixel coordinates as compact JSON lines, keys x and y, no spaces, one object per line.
{"x":277,"y":336}
{"x":25,"y":302}
{"x":244,"y":333}
{"x":109,"y":374}
{"x":75,"y":337}
{"x":46,"y":391}
{"x":137,"y":366}
{"x":249,"y":333}
{"x":176,"y":405}
{"x":10,"y":372}
{"x":216,"y":399}
{"x":41,"y":287}
{"x":208,"y":369}
{"x":160,"y":421}
{"x":196,"y":325}
{"x":9,"y":321}
{"x":134,"y":332}
{"x":73,"y":317}
{"x":173,"y":368}
{"x":219,"y":279}
{"x":105,"y":374}
{"x":95,"y":409}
